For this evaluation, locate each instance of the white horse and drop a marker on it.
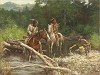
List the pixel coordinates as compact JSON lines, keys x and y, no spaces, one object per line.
{"x":56,"y":38}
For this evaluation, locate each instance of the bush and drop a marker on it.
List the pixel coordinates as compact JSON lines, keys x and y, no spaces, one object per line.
{"x":95,"y":40}
{"x":11,"y":32}
{"x":86,"y":30}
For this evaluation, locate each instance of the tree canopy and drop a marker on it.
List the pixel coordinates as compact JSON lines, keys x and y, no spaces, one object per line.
{"x":73,"y":15}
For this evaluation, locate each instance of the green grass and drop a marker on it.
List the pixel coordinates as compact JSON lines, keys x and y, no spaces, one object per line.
{"x":11,"y":33}
{"x":95,"y":40}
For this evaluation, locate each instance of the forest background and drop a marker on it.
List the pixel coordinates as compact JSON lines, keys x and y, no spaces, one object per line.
{"x":74,"y":16}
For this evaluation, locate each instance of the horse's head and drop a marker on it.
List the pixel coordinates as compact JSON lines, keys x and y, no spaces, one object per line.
{"x":45,"y":35}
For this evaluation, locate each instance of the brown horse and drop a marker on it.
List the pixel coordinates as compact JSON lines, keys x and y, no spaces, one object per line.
{"x":35,"y":43}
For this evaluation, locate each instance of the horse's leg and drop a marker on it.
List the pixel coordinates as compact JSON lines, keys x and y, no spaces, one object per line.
{"x":24,"y":50}
{"x":49,"y":45}
{"x":51,"y":49}
{"x":57,"y":45}
{"x":86,"y":52}
{"x":40,"y":48}
{"x":88,"y":48}
{"x":60,"y":46}
{"x":30,"y":55}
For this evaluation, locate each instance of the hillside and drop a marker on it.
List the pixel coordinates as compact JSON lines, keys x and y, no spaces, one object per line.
{"x":12,"y":6}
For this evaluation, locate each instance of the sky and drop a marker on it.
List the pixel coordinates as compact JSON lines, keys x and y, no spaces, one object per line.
{"x":18,"y":1}
{"x":26,"y":1}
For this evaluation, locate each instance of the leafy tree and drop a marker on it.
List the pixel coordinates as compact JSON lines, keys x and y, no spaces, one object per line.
{"x":72,"y":15}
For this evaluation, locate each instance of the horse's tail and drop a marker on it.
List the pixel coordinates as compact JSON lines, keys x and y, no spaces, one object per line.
{"x":61,"y":36}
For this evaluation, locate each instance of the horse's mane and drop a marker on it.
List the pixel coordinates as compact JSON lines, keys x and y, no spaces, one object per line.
{"x":37,"y":34}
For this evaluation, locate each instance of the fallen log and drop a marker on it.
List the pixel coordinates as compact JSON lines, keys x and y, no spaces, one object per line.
{"x":38,"y":54}
{"x":51,"y":60}
{"x":35,"y":52}
{"x":12,"y":48}
{"x":6,"y":44}
{"x":50,"y":63}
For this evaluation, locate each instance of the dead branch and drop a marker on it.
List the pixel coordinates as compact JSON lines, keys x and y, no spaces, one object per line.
{"x":50,"y":63}
{"x":47,"y":67}
{"x":51,"y":60}
{"x":11,"y":47}
{"x":6,"y":44}
{"x":38,"y":54}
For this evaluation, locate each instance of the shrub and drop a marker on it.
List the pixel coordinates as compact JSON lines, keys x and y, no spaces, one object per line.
{"x":87,"y":30}
{"x":4,"y":67}
{"x":95,"y":40}
{"x":12,"y":32}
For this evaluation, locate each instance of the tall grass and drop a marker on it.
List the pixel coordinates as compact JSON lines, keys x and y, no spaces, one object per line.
{"x":11,"y":32}
{"x":4,"y":68}
{"x":95,"y":40}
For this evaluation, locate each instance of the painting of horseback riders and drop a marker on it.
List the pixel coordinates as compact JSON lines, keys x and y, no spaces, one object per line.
{"x":49,"y":37}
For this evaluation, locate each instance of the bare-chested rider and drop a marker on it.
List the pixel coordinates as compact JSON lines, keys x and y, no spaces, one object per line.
{"x":53,"y":26}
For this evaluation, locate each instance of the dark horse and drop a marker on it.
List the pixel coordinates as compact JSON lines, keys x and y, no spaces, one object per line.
{"x":35,"y":43}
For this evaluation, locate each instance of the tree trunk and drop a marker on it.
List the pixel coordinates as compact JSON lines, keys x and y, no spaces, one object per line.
{"x":65,"y":17}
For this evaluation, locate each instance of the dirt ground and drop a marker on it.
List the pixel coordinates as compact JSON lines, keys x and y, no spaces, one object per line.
{"x":84,"y":65}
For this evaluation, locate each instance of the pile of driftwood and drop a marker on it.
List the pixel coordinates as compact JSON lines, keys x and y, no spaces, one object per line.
{"x":51,"y":67}
{"x":12,"y":46}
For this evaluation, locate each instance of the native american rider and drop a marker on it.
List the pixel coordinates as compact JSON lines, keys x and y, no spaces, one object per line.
{"x":32,"y":28}
{"x":53,"y":26}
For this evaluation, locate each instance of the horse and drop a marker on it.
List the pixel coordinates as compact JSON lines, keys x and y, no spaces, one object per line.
{"x":56,"y":38}
{"x":35,"y":43}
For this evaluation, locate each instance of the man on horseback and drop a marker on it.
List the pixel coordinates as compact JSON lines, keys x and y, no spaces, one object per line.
{"x":32,"y":28}
{"x":55,"y":36}
{"x":53,"y":26}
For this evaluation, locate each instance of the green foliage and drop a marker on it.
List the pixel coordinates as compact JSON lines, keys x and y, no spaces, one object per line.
{"x":72,"y":16}
{"x":95,"y":40}
{"x":89,"y":30}
{"x":13,"y":32}
{"x":10,"y":30}
{"x":9,"y":22}
{"x":86,"y":30}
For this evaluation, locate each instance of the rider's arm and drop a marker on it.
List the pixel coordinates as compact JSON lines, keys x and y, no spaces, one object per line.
{"x":29,"y":29}
{"x":49,"y":28}
{"x":86,"y":42}
{"x":36,"y":29}
{"x":72,"y":46}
